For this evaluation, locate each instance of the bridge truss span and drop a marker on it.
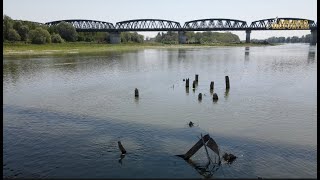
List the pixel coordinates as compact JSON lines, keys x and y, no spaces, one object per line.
{"x":148,"y":25}
{"x":216,"y":24}
{"x":86,"y":25}
{"x":283,"y":24}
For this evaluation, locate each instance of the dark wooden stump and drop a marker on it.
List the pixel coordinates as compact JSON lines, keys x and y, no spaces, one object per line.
{"x":227,"y":82}
{"x":211,"y":85}
{"x":187,"y":82}
{"x":194,"y":84}
{"x":197,"y":78}
{"x":136,"y":92}
{"x":215,"y":96}
{"x":200,"y":97}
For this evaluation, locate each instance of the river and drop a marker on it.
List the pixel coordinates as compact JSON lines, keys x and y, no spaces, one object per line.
{"x":63,"y":115}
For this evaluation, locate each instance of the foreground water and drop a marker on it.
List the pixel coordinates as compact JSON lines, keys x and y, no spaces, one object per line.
{"x":63,"y":116}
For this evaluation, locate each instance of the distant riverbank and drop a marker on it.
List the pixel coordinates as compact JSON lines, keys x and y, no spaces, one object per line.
{"x":21,"y":49}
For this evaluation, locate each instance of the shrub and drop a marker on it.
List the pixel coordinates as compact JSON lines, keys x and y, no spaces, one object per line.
{"x":56,"y":38}
{"x":13,"y":35}
{"x":39,"y":36}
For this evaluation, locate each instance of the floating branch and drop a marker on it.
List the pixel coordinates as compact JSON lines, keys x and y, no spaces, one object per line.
{"x":123,"y":151}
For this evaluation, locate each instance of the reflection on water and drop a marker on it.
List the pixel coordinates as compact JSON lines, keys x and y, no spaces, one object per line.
{"x":63,"y":116}
{"x":312,"y":54}
{"x":246,"y":53}
{"x":226,"y":93}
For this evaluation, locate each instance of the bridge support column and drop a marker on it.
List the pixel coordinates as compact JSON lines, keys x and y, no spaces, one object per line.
{"x":115,"y":38}
{"x":182,"y":37}
{"x":313,"y":37}
{"x":248,"y":36}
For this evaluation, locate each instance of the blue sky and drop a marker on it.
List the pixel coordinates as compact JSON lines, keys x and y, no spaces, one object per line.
{"x":181,"y":11}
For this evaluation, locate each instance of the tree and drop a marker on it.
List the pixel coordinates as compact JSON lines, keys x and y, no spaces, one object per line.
{"x":23,"y":32}
{"x":56,"y":38}
{"x":13,"y":35}
{"x":17,"y":25}
{"x":39,"y":36}
{"x":7,"y":25}
{"x":66,"y":31}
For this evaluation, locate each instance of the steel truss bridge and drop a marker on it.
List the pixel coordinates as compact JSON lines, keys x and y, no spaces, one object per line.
{"x":213,"y":24}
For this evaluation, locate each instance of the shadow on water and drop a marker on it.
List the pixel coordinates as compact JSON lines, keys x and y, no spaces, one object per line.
{"x":86,"y":146}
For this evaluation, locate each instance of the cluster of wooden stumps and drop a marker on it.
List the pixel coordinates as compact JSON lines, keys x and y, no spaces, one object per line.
{"x":214,"y":95}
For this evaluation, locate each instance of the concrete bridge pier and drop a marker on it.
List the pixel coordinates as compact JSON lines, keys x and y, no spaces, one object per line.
{"x":182,"y":37}
{"x":115,"y":38}
{"x":313,"y":37}
{"x":248,"y":36}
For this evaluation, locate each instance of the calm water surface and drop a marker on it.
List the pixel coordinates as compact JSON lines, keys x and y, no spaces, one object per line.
{"x":63,"y":116}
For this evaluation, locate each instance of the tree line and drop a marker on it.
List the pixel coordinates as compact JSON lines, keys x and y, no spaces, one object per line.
{"x":198,"y":38}
{"x":37,"y":33}
{"x":293,"y":39}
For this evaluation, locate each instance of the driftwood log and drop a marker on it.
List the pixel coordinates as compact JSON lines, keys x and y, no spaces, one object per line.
{"x":123,"y":151}
{"x":195,"y":148}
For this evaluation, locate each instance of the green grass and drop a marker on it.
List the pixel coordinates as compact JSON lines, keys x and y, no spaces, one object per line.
{"x":18,"y":49}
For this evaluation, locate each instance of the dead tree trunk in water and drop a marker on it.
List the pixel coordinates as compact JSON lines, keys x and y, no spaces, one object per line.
{"x":196,"y":147}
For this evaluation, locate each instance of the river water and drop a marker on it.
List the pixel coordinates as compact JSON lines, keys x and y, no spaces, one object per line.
{"x":63,"y":116}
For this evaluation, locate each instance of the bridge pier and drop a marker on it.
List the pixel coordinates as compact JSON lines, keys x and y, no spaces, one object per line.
{"x":182,"y":37}
{"x":115,"y":38}
{"x":313,"y":37}
{"x":248,"y":36}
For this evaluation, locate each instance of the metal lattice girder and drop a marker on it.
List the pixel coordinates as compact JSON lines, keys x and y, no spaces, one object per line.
{"x":148,"y":25}
{"x":283,"y":24}
{"x":215,"y":24}
{"x":86,"y":25}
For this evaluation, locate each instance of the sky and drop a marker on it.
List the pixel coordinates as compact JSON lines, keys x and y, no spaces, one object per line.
{"x":181,"y":11}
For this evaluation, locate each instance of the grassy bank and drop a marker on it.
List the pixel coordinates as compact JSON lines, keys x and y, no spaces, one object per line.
{"x":16,"y":49}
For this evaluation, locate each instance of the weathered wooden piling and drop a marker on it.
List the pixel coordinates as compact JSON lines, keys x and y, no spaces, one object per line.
{"x":211,"y":85}
{"x":196,"y":147}
{"x":194,"y":84}
{"x":136,"y":92}
{"x":227,"y":82}
{"x":123,"y":151}
{"x":197,"y":77}
{"x":187,"y":82}
{"x":200,"y":97}
{"x":215,"y":96}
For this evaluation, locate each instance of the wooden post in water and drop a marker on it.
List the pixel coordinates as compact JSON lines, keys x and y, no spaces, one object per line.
{"x":123,"y":151}
{"x":187,"y":83}
{"x":215,"y":97}
{"x":197,"y":77}
{"x":200,"y":97}
{"x":227,"y":82}
{"x":196,"y":147}
{"x":194,"y":84}
{"x":136,"y":92}
{"x":211,"y":85}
